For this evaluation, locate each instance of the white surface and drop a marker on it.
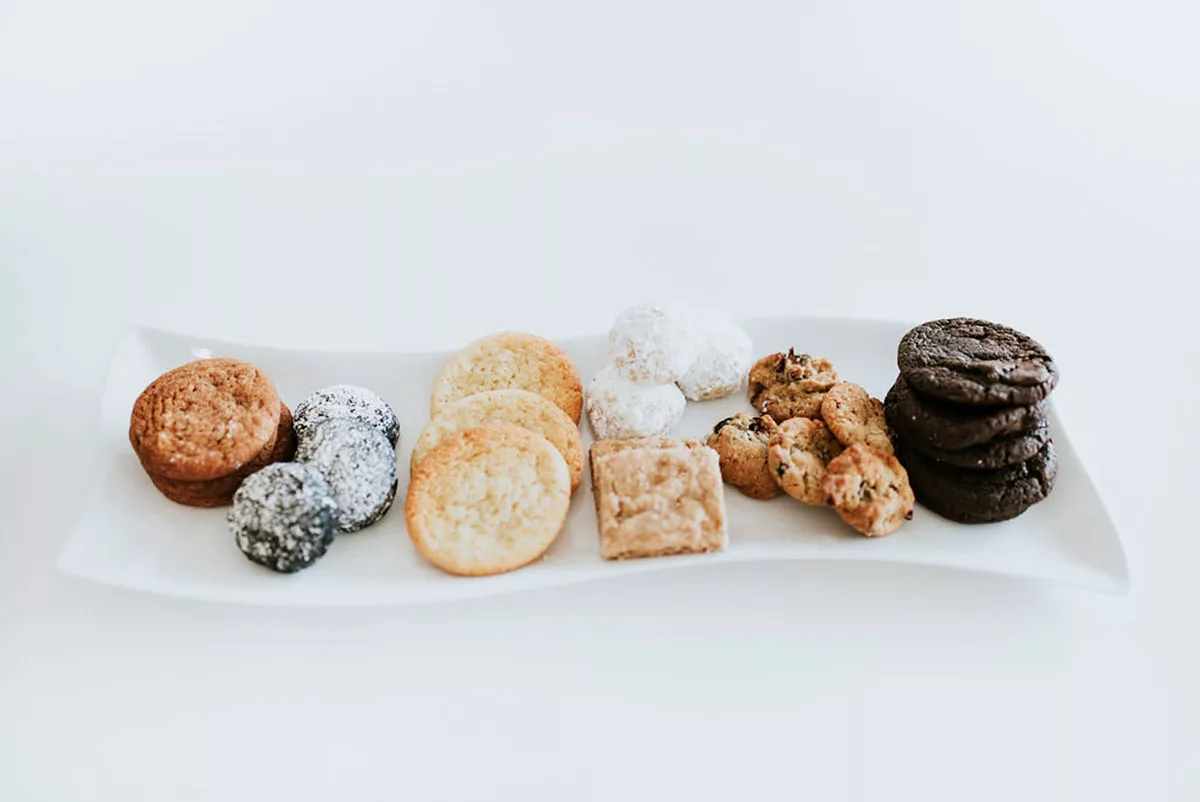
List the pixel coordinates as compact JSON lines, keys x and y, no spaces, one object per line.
{"x":130,"y":536}
{"x":211,"y":168}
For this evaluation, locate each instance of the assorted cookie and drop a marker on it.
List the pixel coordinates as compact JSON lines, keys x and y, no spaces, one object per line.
{"x":968,"y":412}
{"x":809,"y":420}
{"x":661,"y":355}
{"x":214,"y":432}
{"x":488,"y":500}
{"x":658,"y":498}
{"x":963,"y":430}
{"x":494,"y":470}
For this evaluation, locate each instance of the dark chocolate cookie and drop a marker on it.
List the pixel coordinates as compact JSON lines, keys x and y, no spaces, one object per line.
{"x":976,"y":362}
{"x":976,"y":497}
{"x":950,"y":427}
{"x":1000,"y":452}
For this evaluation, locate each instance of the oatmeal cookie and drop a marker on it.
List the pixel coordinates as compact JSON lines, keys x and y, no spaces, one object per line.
{"x":741,"y":444}
{"x":790,"y":385}
{"x":869,"y":490}
{"x":855,"y":417}
{"x":797,"y":455}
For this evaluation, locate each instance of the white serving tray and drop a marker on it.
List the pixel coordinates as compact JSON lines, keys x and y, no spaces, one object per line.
{"x":131,"y":536}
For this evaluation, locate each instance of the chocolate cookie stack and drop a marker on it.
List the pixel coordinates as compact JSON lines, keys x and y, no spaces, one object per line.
{"x":968,"y":415}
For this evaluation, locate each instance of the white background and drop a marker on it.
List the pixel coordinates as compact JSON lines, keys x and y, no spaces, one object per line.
{"x":408,"y":175}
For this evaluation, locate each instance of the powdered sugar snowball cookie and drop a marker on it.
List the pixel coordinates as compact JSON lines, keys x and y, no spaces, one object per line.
{"x":345,"y":401}
{"x":653,"y":344}
{"x":620,"y":409}
{"x":726,"y":353}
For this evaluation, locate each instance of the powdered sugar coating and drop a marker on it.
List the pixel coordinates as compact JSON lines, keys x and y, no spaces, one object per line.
{"x":653,"y":344}
{"x":359,"y":463}
{"x":620,"y":409}
{"x":283,"y":517}
{"x":345,"y":401}
{"x":726,"y":353}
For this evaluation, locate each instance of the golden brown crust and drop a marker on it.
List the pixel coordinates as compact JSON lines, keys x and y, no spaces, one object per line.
{"x":219,"y":492}
{"x":797,"y":455}
{"x":741,"y":443}
{"x":790,"y":385}
{"x":870,"y":490}
{"x":510,"y":360}
{"x":204,"y":420}
{"x":521,"y":407}
{"x":488,"y":500}
{"x":855,"y":417}
{"x":654,"y":502}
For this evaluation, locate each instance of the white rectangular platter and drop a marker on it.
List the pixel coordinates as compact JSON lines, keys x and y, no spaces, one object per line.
{"x":130,"y":536}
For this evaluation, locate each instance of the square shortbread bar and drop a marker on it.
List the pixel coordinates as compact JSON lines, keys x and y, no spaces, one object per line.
{"x":657,"y":501}
{"x":603,"y":448}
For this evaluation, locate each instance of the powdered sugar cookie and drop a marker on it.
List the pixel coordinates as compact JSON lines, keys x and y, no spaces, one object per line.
{"x":653,"y":344}
{"x":619,"y":409}
{"x":724,"y":358}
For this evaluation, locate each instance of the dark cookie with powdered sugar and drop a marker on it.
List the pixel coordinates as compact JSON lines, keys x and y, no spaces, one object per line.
{"x":359,"y":463}
{"x":284,"y":516}
{"x":346,"y":401}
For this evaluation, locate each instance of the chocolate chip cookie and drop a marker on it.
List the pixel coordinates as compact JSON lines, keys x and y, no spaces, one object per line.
{"x":741,"y":444}
{"x":797,"y":455}
{"x":855,"y":417}
{"x":975,"y":362}
{"x":790,"y":385}
{"x":969,"y":496}
{"x":869,"y":490}
{"x":951,"y":427}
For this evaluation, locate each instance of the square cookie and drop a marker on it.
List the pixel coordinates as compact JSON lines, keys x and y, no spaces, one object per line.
{"x":652,"y":502}
{"x":603,"y":448}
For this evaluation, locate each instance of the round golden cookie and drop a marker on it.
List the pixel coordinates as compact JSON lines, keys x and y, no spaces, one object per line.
{"x":870,"y":490}
{"x":513,"y":406}
{"x":219,"y":492}
{"x":797,"y":455}
{"x":855,"y":417}
{"x":204,"y":420}
{"x":510,"y":360}
{"x":790,"y":385}
{"x":488,"y":500}
{"x":741,"y":446}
